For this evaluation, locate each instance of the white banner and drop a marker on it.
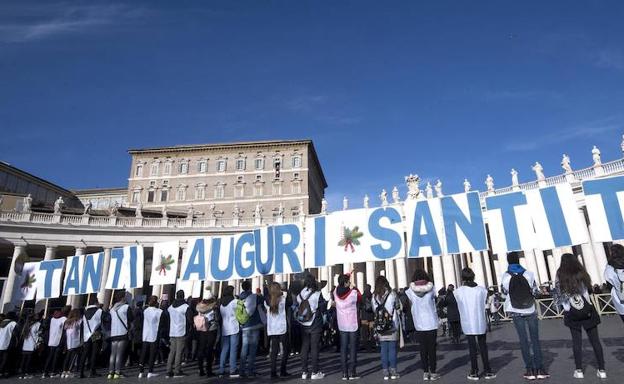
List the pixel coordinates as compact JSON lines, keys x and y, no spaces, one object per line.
{"x":25,"y":285}
{"x":165,"y":263}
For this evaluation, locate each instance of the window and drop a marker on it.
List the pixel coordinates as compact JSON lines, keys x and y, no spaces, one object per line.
{"x":150,"y":196}
{"x":167,"y":169}
{"x":221,"y":165}
{"x":258,"y":190}
{"x":139,"y":170}
{"x":220,"y":191}
{"x":277,"y":189}
{"x":202,"y":166}
{"x":184,"y":167}
{"x":296,"y":162}
{"x":136,"y":196}
{"x":154,"y":169}
{"x":181,"y":194}
{"x":200,"y":193}
{"x":239,"y":191}
{"x":240,"y":164}
{"x":259,"y":163}
{"x":296,"y":188}
{"x":164,"y":194}
{"x":277,"y":165}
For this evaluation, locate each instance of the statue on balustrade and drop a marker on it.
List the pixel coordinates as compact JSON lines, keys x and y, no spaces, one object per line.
{"x":345,"y":203}
{"x":489,"y":183}
{"x":301,"y":208}
{"x":191,"y":212}
{"x":280,"y":210}
{"x":413,"y":190}
{"x":565,"y":164}
{"x":438,"y":188}
{"x":514,"y":177}
{"x":258,"y":211}
{"x":429,"y":191}
{"x":27,"y":203}
{"x":395,"y":195}
{"x":138,"y":212}
{"x":596,"y":156}
{"x":236,"y":212}
{"x":539,"y":171}
{"x":383,"y":197}
{"x":58,"y":205}
{"x":467,"y":186}
{"x":366,"y":201}
{"x":164,"y":212}
{"x":323,"y":206}
{"x":87,"y":208}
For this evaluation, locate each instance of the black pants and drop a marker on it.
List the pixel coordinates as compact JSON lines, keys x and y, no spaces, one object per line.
{"x":427,"y":341}
{"x":577,"y":346}
{"x":276,"y":340}
{"x":148,"y":356}
{"x":310,"y":345}
{"x":455,"y":330}
{"x":473,"y":341}
{"x":348,"y":351}
{"x":70,"y":358}
{"x":50,"y":365}
{"x":296,"y":337}
{"x":4,"y":356}
{"x":25,"y":363}
{"x":367,"y":336}
{"x":90,"y":350}
{"x":205,"y":350}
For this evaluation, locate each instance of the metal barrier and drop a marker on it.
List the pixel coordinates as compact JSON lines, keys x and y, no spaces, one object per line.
{"x":548,"y":309}
{"x":603,"y":304}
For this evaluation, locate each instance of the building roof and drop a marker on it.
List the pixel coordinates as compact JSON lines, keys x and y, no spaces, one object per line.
{"x":10,"y":168}
{"x":103,"y":191}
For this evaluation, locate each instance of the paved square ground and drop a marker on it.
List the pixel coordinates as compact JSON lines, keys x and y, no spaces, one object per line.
{"x":453,"y":360}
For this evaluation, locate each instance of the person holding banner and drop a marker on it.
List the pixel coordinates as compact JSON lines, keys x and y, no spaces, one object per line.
{"x":520,"y":287}
{"x":180,"y":319}
{"x":250,"y":330}
{"x":614,"y":275}
{"x":72,"y":339}
{"x":471,"y":299}
{"x":120,"y":316}
{"x":151,"y":333}
{"x":348,"y":299}
{"x":386,"y":310}
{"x":92,"y":336}
{"x":55,"y":334}
{"x":309,"y":314}
{"x":421,"y":294}
{"x":229,"y":332}
{"x":30,"y":337}
{"x":572,"y":287}
{"x":276,"y":301}
{"x":7,"y":338}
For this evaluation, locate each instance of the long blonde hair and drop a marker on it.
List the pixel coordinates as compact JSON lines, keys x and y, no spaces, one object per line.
{"x":275,"y":296}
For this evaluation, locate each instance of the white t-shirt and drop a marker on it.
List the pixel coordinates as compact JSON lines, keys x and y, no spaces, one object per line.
{"x":151,"y":321}
{"x":528,"y":275}
{"x":177,"y":320}
{"x":276,"y":323}
{"x":5,"y":335}
{"x":119,"y":324}
{"x":615,"y":277}
{"x":91,"y":325}
{"x":230,"y":324}
{"x":30,"y":342}
{"x":471,"y":305}
{"x":56,"y":331}
{"x":423,"y":310}
{"x":313,"y":300}
{"x":72,"y":335}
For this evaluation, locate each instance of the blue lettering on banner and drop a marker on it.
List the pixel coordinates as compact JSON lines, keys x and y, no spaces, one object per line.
{"x":244,"y":272}
{"x":215,"y":253}
{"x":473,"y":227}
{"x":506,"y":204}
{"x":92,"y":272}
{"x":134,"y":268}
{"x":607,"y":189}
{"x":385,"y":234}
{"x":117,"y":254}
{"x":196,"y":262}
{"x":287,"y":249}
{"x":49,"y":266}
{"x":264,"y":268}
{"x":556,"y":219}
{"x":422,"y":215}
{"x":72,"y":280}
{"x":319,"y":242}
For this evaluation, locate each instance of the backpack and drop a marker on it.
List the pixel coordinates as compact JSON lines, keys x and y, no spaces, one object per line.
{"x":520,"y":292}
{"x":304,"y":312}
{"x":200,"y":323}
{"x":580,"y":308}
{"x":383,"y":323}
{"x":241,"y":313}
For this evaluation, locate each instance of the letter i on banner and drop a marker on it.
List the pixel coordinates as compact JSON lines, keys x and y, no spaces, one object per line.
{"x":315,"y":248}
{"x":49,"y":278}
{"x":604,"y":199}
{"x":133,"y":266}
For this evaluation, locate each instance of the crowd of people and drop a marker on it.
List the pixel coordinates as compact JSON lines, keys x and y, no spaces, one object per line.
{"x":226,"y":333}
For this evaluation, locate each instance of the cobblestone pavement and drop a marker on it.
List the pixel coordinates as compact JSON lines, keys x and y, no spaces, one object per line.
{"x":453,"y":360}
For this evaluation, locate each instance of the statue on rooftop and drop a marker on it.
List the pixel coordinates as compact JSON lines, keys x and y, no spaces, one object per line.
{"x":395,"y":195}
{"x":596,"y":156}
{"x":413,"y":189}
{"x":58,"y":205}
{"x":565,"y":164}
{"x":489,"y":183}
{"x":467,"y":186}
{"x":514,"y":177}
{"x":539,"y":171}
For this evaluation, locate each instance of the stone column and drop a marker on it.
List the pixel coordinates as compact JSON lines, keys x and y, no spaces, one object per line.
{"x":541,"y":265}
{"x":531,"y":265}
{"x":359,"y":281}
{"x":599,"y":255}
{"x":438,"y":272}
{"x":104,"y":295}
{"x":7,"y":297}
{"x":557,"y":252}
{"x":477,"y":267}
{"x":390,"y":275}
{"x":370,"y":274}
{"x":449,"y":270}
{"x":50,"y":252}
{"x":401,"y":272}
{"x":487,"y":268}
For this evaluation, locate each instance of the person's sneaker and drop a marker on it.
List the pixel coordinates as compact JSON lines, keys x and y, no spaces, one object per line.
{"x":151,"y":375}
{"x":26,"y":377}
{"x":394,"y":374}
{"x":118,"y":376}
{"x":542,"y":374}
{"x":141,"y":375}
{"x":179,"y":374}
{"x":345,"y":376}
{"x":234,"y":375}
{"x":304,"y":376}
{"x":110,"y":376}
{"x":386,"y":374}
{"x":601,"y":373}
{"x":169,"y":375}
{"x":434,"y":376}
{"x":354,"y":376}
{"x":489,"y":376}
{"x":578,"y":374}
{"x":473,"y":376}
{"x":530,"y":375}
{"x":426,"y":376}
{"x":317,"y":376}
{"x":52,"y":376}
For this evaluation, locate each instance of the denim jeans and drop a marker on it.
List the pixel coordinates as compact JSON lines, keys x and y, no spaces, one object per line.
{"x":248,"y":351}
{"x":229,"y":346}
{"x":388,"y":354}
{"x":528,"y":340}
{"x":348,"y":351}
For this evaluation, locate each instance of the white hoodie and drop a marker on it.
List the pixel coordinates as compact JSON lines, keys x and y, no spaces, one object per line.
{"x":423,"y":309}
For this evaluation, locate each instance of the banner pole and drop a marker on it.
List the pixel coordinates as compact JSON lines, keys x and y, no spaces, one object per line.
{"x":88,"y":299}
{"x":220,"y":289}
{"x":45,"y":309}
{"x":110,"y":303}
{"x":22,"y":308}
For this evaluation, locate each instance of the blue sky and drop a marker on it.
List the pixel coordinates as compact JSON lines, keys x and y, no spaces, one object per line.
{"x":443,"y":89}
